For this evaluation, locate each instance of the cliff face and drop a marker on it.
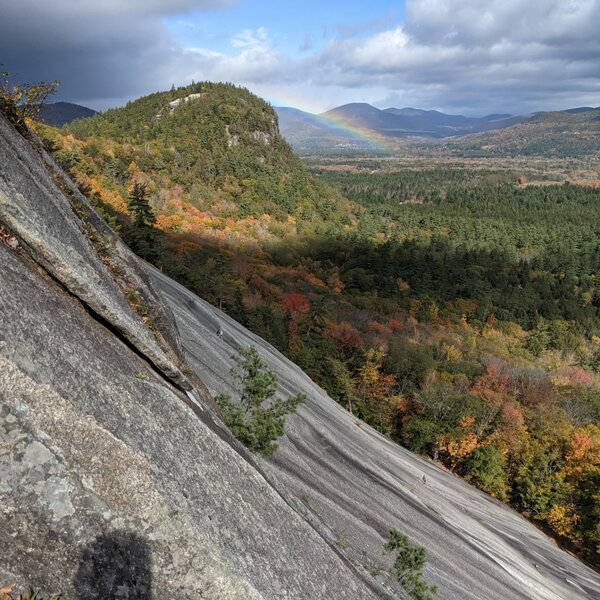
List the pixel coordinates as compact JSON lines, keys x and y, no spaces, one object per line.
{"x":118,"y":481}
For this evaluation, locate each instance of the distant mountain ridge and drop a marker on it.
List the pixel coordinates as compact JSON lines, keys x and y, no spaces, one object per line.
{"x":339,"y":126}
{"x":307,"y":131}
{"x":352,"y":125}
{"x":58,"y":114}
{"x":402,"y":122}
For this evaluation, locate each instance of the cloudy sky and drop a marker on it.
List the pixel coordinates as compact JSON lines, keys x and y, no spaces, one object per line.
{"x":464,"y":56}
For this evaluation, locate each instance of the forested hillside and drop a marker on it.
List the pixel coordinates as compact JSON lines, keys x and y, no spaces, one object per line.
{"x":563,"y":133}
{"x":457,"y":312}
{"x":206,"y":150}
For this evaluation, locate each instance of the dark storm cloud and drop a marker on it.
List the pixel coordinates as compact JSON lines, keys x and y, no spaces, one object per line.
{"x":97,"y":50}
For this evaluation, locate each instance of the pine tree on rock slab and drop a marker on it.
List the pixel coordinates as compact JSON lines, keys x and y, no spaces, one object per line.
{"x":141,"y":236}
{"x":139,"y":207}
{"x":408,"y":566}
{"x":258,"y":419}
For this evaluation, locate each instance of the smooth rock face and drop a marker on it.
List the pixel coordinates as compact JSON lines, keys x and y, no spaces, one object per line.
{"x":34,"y":208}
{"x":98,"y":452}
{"x":355,"y":484}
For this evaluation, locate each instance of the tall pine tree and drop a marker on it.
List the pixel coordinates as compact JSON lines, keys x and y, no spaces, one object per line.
{"x":141,"y":236}
{"x":139,"y":207}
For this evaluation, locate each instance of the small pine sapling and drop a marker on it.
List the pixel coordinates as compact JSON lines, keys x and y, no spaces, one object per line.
{"x":408,"y":566}
{"x":258,"y":419}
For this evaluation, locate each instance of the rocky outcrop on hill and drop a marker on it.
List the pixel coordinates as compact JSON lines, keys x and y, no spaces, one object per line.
{"x":118,"y":481}
{"x":171,"y":106}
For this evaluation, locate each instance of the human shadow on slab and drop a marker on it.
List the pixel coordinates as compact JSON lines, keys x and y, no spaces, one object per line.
{"x":115,"y":566}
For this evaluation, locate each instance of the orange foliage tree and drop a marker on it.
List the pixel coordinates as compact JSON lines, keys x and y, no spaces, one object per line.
{"x":455,"y":448}
{"x":297,"y":308}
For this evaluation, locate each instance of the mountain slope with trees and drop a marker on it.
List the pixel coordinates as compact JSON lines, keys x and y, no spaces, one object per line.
{"x":565,"y":133}
{"x":215,"y":147}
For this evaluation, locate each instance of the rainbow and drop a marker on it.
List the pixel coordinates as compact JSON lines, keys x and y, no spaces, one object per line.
{"x":374,"y":139}
{"x":360,"y":134}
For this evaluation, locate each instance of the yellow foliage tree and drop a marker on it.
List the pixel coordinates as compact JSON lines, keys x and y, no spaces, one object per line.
{"x":563,"y":519}
{"x":457,"y":448}
{"x":377,"y":405}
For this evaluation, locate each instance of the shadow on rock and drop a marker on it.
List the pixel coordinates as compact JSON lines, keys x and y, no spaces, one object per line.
{"x":115,"y":566}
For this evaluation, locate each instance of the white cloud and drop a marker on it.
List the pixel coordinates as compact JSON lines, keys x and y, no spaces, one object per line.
{"x":385,"y":48}
{"x":254,"y":64}
{"x":250,"y":37}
